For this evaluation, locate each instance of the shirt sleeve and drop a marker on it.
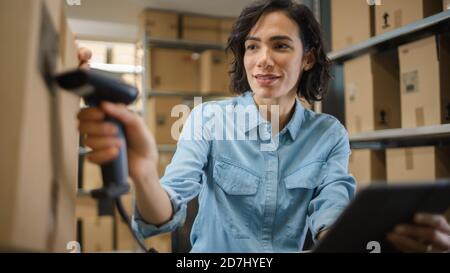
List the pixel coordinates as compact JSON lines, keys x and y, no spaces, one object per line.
{"x":337,"y":187}
{"x":183,"y":176}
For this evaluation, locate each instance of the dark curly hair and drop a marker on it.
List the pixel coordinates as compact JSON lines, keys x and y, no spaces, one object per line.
{"x":313,"y":83}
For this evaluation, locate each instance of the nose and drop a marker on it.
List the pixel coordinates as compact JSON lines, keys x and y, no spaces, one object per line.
{"x":265,"y":60}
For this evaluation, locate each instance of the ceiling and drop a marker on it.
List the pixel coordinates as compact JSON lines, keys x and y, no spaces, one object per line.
{"x":117,"y":19}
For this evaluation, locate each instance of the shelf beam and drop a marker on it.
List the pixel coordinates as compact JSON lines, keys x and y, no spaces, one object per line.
{"x":183,"y":44}
{"x":427,"y":27}
{"x":160,"y":93}
{"x":437,"y":135}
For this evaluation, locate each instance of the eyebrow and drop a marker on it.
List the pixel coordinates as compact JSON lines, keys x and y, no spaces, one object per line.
{"x":273,"y":38}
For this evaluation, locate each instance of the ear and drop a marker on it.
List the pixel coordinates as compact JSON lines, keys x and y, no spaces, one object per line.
{"x":309,"y":59}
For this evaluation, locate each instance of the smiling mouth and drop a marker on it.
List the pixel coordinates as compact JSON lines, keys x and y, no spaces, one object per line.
{"x":266,"y":79}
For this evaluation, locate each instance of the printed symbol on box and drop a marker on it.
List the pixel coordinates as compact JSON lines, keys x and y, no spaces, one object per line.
{"x":386,"y":20}
{"x":73,"y":2}
{"x":411,"y":81}
{"x":73,"y":247}
{"x":373,"y":247}
{"x":373,"y":2}
{"x":383,"y":115}
{"x":448,"y":112}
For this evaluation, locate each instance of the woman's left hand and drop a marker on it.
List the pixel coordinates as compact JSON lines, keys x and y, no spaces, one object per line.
{"x":429,"y":233}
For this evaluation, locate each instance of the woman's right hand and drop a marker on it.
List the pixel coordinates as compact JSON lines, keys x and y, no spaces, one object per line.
{"x":100,"y":136}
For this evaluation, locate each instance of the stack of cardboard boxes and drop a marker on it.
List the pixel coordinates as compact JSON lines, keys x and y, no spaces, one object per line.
{"x":403,"y":88}
{"x":38,"y":169}
{"x":425,"y":101}
{"x":182,"y":71}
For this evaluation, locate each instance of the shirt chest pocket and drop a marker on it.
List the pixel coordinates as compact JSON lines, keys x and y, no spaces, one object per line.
{"x":235,"y":192}
{"x":307,"y":177}
{"x":235,"y":180}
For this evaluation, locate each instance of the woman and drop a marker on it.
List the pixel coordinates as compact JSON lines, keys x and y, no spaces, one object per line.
{"x":283,"y":172}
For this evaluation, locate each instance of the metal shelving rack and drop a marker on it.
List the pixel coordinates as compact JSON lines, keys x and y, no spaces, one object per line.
{"x":178,"y":239}
{"x":194,"y":46}
{"x":422,"y":136}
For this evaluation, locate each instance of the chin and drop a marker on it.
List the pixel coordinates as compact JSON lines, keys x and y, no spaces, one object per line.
{"x":267,"y":93}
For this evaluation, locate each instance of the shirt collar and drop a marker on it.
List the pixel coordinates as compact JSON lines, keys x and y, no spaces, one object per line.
{"x":293,"y":126}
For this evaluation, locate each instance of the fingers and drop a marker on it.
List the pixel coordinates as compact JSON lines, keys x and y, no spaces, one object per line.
{"x":120,"y":112}
{"x":91,"y":114}
{"x":99,"y":143}
{"x":101,"y":129}
{"x":104,"y":155}
{"x":433,"y":220}
{"x":405,"y":244}
{"x":427,"y":235}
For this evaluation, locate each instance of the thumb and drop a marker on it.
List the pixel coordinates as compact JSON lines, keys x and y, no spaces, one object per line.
{"x":84,"y":55}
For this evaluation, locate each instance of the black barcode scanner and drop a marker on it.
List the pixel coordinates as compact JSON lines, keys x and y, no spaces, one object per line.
{"x":94,"y":88}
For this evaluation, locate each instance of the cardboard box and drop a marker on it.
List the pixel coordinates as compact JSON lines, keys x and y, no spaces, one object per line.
{"x":446,"y":4}
{"x":162,"y":242}
{"x":368,"y":167}
{"x":92,"y":176}
{"x":372,"y":95}
{"x":124,"y":54}
{"x":392,"y":14}
{"x":425,"y":96}
{"x":174,"y":70}
{"x":164,"y":159}
{"x":420,"y":164}
{"x":201,"y":29}
{"x":39,"y":152}
{"x":124,"y":239}
{"x":160,"y":119}
{"x":352,"y":22}
{"x":65,"y":222}
{"x":214,"y":67}
{"x":86,"y":207}
{"x":226,"y":26}
{"x":159,"y":24}
{"x":97,"y":234}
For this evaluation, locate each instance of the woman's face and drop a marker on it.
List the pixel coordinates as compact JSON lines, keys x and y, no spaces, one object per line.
{"x":273,"y":56}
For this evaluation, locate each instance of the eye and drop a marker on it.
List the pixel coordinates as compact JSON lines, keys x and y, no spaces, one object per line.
{"x":250,"y":47}
{"x":282,"y":46}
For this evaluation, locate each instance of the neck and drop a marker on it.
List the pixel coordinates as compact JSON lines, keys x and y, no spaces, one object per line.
{"x":285,"y":105}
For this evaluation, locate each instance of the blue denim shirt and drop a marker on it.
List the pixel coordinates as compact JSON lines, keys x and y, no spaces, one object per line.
{"x":253,"y":198}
